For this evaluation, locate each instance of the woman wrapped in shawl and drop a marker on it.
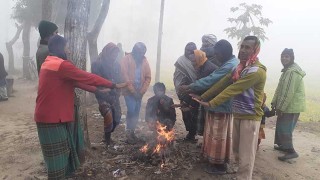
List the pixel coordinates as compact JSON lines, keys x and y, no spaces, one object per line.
{"x":107,"y":67}
{"x":186,"y":74}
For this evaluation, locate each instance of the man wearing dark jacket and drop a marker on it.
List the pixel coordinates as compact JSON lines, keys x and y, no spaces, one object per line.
{"x":46,"y":30}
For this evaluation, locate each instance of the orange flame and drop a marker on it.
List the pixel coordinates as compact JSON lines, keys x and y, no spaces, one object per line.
{"x":164,"y":138}
{"x":157,"y":149}
{"x":162,"y":133}
{"x":144,"y":149}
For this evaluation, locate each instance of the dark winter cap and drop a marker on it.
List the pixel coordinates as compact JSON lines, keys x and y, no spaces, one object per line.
{"x":56,"y":46}
{"x":225,"y":48}
{"x":289,"y":52}
{"x":46,"y":28}
{"x":140,"y":48}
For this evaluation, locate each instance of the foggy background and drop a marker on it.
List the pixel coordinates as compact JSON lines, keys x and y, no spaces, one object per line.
{"x":296,"y":24}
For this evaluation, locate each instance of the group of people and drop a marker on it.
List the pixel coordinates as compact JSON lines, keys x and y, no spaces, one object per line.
{"x":221,"y":97}
{"x":59,"y":130}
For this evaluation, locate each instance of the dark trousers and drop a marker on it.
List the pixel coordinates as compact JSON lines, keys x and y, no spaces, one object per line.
{"x":190,"y":120}
{"x":284,"y":129}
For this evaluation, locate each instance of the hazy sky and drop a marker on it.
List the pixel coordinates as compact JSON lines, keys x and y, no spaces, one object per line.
{"x":296,"y":24}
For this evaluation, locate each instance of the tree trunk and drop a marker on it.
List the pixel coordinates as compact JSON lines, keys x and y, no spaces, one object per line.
{"x":10,"y":50}
{"x":158,"y":64}
{"x":76,"y":29}
{"x":46,"y":10}
{"x":94,"y":33}
{"x":26,"y":49}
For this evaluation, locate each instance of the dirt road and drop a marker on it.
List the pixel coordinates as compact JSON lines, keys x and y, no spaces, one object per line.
{"x":21,"y":158}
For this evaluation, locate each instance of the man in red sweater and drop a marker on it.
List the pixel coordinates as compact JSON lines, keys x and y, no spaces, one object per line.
{"x":54,"y":112}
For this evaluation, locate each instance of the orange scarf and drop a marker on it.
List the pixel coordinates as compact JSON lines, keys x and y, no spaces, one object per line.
{"x":200,"y":58}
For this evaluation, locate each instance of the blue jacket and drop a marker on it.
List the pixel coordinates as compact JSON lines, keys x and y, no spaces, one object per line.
{"x":205,"y":83}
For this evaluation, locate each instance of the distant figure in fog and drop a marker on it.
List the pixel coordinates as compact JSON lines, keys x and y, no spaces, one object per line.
{"x":46,"y":30}
{"x":136,"y":71}
{"x":288,"y":101}
{"x":208,"y":43}
{"x":3,"y":82}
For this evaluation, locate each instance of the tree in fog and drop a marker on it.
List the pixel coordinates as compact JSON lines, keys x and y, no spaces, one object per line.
{"x":10,"y":49}
{"x":248,"y":22}
{"x":75,"y":31}
{"x":47,"y":10}
{"x":95,"y":31}
{"x":24,"y":12}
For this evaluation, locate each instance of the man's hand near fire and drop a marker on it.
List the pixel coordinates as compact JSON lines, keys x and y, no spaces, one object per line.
{"x":199,"y":100}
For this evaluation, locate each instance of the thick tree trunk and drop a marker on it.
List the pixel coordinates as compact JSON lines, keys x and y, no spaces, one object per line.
{"x":46,"y":10}
{"x":10,"y":50}
{"x":158,"y":64}
{"x":94,"y":33}
{"x":26,"y":49}
{"x":76,"y":29}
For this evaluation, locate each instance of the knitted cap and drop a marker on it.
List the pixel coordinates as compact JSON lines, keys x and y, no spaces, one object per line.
{"x":46,"y":28}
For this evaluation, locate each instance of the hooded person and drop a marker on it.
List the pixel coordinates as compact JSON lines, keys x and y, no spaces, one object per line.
{"x":201,"y":64}
{"x":208,"y":43}
{"x":3,"y":82}
{"x":245,"y":86}
{"x":136,"y":71}
{"x":59,"y":136}
{"x":289,"y":102}
{"x":109,"y":105}
{"x":185,"y":74}
{"x":46,"y":30}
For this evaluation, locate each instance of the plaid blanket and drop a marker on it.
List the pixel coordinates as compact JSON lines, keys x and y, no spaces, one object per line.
{"x":59,"y":149}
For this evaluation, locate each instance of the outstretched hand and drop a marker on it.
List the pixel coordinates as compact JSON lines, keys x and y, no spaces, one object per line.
{"x":199,"y":100}
{"x":121,"y":85}
{"x":102,"y":91}
{"x":195,"y":96}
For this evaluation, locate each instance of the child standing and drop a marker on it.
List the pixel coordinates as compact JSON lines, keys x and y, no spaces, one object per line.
{"x":267,"y":113}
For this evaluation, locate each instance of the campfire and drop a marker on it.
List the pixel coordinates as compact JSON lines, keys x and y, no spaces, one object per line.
{"x":159,"y":147}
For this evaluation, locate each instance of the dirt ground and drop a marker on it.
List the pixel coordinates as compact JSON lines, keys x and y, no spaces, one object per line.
{"x":21,"y":157}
